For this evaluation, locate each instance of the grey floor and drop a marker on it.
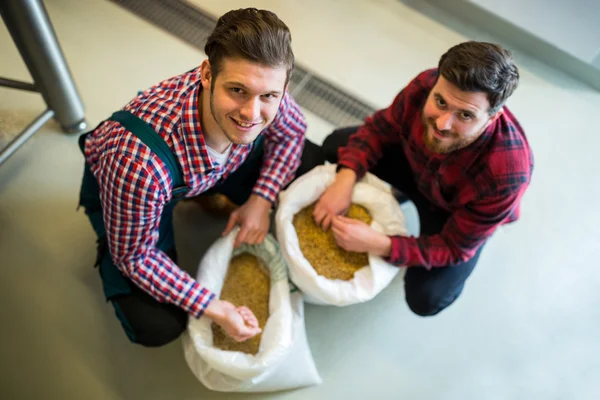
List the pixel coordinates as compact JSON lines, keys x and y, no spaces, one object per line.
{"x":526,"y":327}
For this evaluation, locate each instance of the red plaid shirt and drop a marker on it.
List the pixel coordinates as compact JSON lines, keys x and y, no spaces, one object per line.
{"x":481,"y":185}
{"x":135,"y":184}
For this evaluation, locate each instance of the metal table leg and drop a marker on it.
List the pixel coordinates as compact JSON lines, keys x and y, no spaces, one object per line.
{"x":29,"y":25}
{"x":25,"y":134}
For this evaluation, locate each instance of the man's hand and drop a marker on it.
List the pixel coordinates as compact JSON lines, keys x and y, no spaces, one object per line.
{"x":253,"y":219}
{"x":237,"y":322}
{"x":336,"y":199}
{"x":354,"y":235}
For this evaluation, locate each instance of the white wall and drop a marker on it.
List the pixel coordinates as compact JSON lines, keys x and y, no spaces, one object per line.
{"x":571,"y":25}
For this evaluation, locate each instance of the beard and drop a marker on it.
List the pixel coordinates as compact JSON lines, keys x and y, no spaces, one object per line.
{"x":452,"y":142}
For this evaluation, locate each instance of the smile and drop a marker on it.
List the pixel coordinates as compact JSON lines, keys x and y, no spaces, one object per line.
{"x":439,"y":134}
{"x":243,"y":124}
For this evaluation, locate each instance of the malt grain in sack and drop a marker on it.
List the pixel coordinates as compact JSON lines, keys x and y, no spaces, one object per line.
{"x":284,"y":360}
{"x":387,"y":217}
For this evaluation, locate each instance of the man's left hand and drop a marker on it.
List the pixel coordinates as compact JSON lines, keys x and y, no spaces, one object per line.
{"x":354,"y":235}
{"x":253,"y":219}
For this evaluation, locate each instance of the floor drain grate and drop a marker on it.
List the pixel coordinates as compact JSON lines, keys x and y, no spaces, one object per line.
{"x":312,"y":92}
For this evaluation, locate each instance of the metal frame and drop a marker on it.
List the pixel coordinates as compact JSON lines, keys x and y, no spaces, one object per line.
{"x":31,"y":30}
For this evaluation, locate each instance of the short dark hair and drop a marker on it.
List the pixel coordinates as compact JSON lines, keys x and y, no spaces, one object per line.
{"x":251,"y":34}
{"x":481,"y":67}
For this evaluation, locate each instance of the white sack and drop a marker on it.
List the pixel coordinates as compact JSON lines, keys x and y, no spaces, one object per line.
{"x":370,"y":192}
{"x":283,"y":340}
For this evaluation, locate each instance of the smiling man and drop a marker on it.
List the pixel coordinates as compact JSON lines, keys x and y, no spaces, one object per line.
{"x":449,"y":144}
{"x":228,"y":127}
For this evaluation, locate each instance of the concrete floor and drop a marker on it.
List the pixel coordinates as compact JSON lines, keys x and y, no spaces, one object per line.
{"x":526,"y":326}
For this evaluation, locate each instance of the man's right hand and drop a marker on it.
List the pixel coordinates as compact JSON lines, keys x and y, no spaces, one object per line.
{"x":336,"y":199}
{"x":237,"y":322}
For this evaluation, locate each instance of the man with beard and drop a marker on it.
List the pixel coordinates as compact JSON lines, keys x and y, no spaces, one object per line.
{"x":450,"y":145}
{"x":228,"y":126}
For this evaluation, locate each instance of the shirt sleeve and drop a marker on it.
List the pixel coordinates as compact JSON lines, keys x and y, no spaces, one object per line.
{"x":133,"y":200}
{"x":384,"y":127}
{"x":464,"y":232}
{"x":284,"y":142}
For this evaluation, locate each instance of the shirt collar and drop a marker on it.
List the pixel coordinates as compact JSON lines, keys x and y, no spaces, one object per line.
{"x":191,"y":126}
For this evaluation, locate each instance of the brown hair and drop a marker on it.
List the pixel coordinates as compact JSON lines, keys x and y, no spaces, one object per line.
{"x":252,"y":34}
{"x":481,"y":67}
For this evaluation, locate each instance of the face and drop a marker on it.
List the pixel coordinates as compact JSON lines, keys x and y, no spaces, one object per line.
{"x":243,"y":98}
{"x":454,"y":119}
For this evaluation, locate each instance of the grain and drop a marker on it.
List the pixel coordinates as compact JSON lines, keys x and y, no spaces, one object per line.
{"x":247,"y":284}
{"x":321,"y":250}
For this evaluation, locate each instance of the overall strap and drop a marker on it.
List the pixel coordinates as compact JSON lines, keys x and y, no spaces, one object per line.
{"x":150,"y":138}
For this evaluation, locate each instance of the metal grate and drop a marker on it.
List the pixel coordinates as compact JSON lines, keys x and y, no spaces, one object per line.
{"x":311,"y":92}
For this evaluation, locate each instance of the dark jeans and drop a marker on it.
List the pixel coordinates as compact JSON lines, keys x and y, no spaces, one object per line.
{"x":151,"y":323}
{"x":427,"y":291}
